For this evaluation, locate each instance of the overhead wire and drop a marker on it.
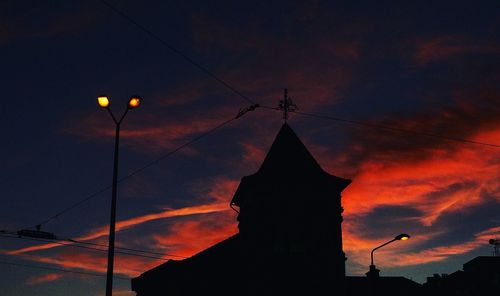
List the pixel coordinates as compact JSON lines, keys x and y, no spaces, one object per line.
{"x":75,"y":245}
{"x":176,"y":51}
{"x":396,"y":129}
{"x":192,"y":62}
{"x":227,"y":85}
{"x":129,"y":249}
{"x":175,"y":150}
{"x":246,"y":98}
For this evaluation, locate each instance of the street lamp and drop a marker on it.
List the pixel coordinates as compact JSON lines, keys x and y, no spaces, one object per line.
{"x":374,"y":272}
{"x":104,"y":102}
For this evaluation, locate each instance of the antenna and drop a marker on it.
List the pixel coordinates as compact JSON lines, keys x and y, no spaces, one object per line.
{"x":496,"y":246}
{"x":286,"y":105}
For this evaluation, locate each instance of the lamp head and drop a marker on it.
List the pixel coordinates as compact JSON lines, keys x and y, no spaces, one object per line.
{"x":103,"y":101}
{"x":402,"y":236}
{"x":134,"y":102}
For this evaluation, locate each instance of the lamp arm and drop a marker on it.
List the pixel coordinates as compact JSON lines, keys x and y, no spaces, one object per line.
{"x":123,"y":116}
{"x":112,"y":115}
{"x":382,"y":245}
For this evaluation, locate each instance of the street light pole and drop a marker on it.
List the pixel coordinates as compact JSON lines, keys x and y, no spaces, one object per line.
{"x":374,"y":272}
{"x":103,"y":101}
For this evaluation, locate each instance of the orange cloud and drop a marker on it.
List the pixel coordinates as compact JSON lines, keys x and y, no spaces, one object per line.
{"x":50,"y":277}
{"x":132,"y":222}
{"x":153,"y":131}
{"x":359,"y":249}
{"x":190,"y":237}
{"x":87,"y":261}
{"x":441,"y":182}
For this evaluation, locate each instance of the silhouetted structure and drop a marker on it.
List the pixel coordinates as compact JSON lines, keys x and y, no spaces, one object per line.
{"x":289,"y":240}
{"x":480,"y":276}
{"x":386,"y":286}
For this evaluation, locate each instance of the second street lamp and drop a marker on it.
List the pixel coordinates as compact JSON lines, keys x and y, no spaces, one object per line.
{"x":374,"y":272}
{"x":104,"y":102}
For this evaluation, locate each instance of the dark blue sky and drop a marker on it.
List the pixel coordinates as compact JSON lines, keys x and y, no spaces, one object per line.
{"x":427,"y":67}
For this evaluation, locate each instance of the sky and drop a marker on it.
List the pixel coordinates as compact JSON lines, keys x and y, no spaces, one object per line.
{"x":428,"y":67}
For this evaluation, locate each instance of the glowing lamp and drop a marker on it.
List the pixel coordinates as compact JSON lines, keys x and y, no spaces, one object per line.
{"x":134,"y":102}
{"x":103,"y":101}
{"x":402,"y":236}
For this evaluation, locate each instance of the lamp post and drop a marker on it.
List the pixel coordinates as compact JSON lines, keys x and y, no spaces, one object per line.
{"x":374,"y":272}
{"x":104,"y":102}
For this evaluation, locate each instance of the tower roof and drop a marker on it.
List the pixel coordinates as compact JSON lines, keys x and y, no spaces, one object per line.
{"x":288,"y":154}
{"x":288,"y":164}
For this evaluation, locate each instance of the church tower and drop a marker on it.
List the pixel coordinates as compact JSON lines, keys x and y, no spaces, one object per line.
{"x":290,"y":214}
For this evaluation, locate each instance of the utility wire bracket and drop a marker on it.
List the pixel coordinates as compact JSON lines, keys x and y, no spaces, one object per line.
{"x":245,"y":110}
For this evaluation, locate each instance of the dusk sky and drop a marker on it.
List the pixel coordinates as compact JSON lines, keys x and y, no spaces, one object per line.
{"x":432,"y":67}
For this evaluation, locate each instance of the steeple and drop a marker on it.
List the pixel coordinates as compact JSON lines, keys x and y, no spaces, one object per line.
{"x":291,"y":207}
{"x":288,"y":154}
{"x":289,"y":164}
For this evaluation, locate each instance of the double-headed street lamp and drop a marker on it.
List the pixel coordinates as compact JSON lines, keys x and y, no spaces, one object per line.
{"x":374,"y":272}
{"x":104,"y":102}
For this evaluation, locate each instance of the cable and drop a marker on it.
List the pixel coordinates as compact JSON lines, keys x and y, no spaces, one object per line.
{"x":385,"y":127}
{"x":10,"y":234}
{"x":73,"y":206}
{"x":239,"y":115}
{"x":175,"y":50}
{"x":129,"y":249}
{"x":90,"y":248}
{"x":59,"y":269}
{"x":396,"y":129}
{"x":177,"y":149}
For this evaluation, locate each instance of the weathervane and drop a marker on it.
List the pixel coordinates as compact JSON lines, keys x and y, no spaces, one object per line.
{"x":286,"y":105}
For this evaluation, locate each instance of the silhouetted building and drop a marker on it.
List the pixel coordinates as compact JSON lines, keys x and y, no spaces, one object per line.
{"x":381,"y":285}
{"x":480,"y":276}
{"x":289,"y":240}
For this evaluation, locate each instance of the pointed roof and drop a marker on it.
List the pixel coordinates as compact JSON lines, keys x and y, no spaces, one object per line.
{"x":289,"y":163}
{"x":288,"y":153}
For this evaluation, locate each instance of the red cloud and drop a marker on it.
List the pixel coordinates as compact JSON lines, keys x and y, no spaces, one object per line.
{"x":50,"y":277}
{"x":445,"y":47}
{"x":132,"y":222}
{"x":189,"y":237}
{"x":95,"y":262}
{"x":161,"y":137}
{"x":423,"y":184}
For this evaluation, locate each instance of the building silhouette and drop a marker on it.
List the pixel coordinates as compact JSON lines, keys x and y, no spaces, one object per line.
{"x":480,"y":276}
{"x":289,"y":240}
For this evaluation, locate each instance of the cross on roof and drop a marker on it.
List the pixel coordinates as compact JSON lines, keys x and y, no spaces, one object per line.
{"x":286,"y":105}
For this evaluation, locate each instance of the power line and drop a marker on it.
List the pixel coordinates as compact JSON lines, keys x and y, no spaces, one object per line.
{"x":97,"y":249}
{"x":212,"y":130}
{"x":129,"y":249}
{"x":176,"y":51}
{"x":396,"y":129}
{"x":196,"y":139}
{"x":59,"y":269}
{"x":389,"y":128}
{"x":378,"y":126}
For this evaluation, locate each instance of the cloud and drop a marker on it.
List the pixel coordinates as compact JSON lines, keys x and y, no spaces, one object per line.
{"x":446,"y":47}
{"x":37,"y":280}
{"x":95,"y":262}
{"x":187,"y":238}
{"x":194,"y":229}
{"x":133,"y":222}
{"x":443,"y":252}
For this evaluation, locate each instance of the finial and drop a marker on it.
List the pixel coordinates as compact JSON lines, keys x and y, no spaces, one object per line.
{"x":286,"y":105}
